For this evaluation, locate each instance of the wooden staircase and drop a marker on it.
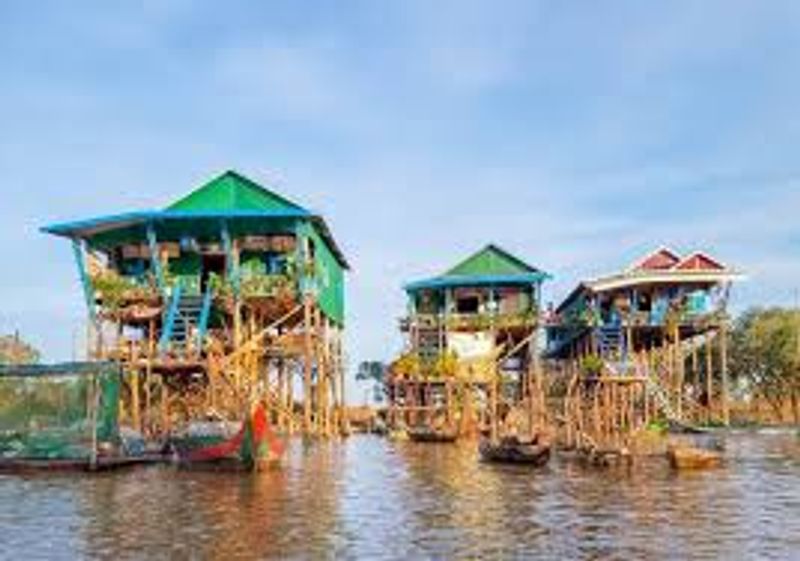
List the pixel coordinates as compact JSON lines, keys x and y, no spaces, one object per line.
{"x":187,"y":316}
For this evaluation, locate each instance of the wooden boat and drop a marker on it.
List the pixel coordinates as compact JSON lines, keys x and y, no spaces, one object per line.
{"x":514,"y":451}
{"x":253,"y":446}
{"x":102,"y":463}
{"x":397,"y":435}
{"x":428,"y":434}
{"x":688,"y":457}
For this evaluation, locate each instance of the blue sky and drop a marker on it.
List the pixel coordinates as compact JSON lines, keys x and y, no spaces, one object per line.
{"x":577,"y":135}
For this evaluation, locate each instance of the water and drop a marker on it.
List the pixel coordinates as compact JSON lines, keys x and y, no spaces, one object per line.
{"x":372,"y":499}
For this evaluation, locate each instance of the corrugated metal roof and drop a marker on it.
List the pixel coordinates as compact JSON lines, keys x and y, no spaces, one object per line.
{"x":230,"y":196}
{"x":477,"y":280}
{"x":492,"y":265}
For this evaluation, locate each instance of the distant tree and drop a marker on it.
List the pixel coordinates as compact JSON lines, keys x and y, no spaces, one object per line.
{"x":13,"y":350}
{"x":373,"y":372}
{"x":765,"y":352}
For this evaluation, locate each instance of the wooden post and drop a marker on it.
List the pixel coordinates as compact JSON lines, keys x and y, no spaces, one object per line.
{"x":342,"y":387}
{"x":290,"y":402}
{"x":709,"y":377}
{"x":723,"y":351}
{"x":308,"y":355}
{"x":165,"y":420}
{"x":148,"y":376}
{"x":695,"y":379}
{"x":95,"y":395}
{"x":494,"y":406}
{"x":136,"y":419}
{"x":679,"y":371}
{"x":282,"y":417}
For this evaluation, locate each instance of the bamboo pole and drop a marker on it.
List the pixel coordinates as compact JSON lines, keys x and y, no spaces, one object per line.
{"x":136,"y":420}
{"x":165,"y":420}
{"x":151,"y":346}
{"x":282,"y":418}
{"x":308,"y":355}
{"x":679,"y":371}
{"x":709,"y":377}
{"x":345,"y":427}
{"x":290,"y":402}
{"x":723,"y":351}
{"x":93,"y":420}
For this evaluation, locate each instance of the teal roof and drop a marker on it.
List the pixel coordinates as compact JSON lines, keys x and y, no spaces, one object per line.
{"x":492,"y":265}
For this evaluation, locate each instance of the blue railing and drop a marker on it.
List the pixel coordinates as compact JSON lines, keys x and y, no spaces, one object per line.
{"x":169,"y":320}
{"x":205,"y":314}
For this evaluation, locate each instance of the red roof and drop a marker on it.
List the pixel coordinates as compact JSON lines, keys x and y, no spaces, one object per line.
{"x":699,"y":262}
{"x":660,"y":260}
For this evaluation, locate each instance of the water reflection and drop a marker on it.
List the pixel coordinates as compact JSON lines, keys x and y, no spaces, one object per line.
{"x":372,"y":499}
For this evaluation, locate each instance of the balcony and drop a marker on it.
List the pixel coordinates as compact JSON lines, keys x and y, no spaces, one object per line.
{"x":469,"y":322}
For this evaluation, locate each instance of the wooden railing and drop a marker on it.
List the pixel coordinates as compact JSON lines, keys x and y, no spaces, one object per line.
{"x":466,"y":322}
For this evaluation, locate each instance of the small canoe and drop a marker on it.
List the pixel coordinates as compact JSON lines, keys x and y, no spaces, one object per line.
{"x":427,"y":434}
{"x":694,"y":458}
{"x":512,"y":451}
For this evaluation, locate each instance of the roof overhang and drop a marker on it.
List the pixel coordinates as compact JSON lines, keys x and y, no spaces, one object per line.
{"x":453,"y":281}
{"x":89,"y":228}
{"x":635,"y":278}
{"x":86,"y":229}
{"x":644,"y":278}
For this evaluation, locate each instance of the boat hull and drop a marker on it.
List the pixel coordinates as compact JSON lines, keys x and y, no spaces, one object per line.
{"x":251,"y":448}
{"x":432,"y":436}
{"x":28,"y":465}
{"x":535,"y":455}
{"x":694,"y":458}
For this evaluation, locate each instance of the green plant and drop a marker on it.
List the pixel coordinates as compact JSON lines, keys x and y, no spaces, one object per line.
{"x":265,"y":285}
{"x":220,"y":286}
{"x":592,"y":365}
{"x":658,"y":426}
{"x":445,"y":365}
{"x":406,"y":365}
{"x":114,"y":290}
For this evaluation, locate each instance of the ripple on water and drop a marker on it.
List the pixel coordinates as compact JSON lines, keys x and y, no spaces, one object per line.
{"x":372,"y":499}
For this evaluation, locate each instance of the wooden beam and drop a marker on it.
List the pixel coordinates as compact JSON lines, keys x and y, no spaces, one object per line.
{"x":723,"y":351}
{"x":709,"y":377}
{"x":308,"y":357}
{"x":155,"y":258}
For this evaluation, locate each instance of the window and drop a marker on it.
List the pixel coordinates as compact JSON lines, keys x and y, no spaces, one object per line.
{"x":275,"y":263}
{"x":468,"y":305}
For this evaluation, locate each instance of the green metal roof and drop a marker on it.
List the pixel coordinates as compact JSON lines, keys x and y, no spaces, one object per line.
{"x":492,"y":265}
{"x":232,"y":192}
{"x":243,"y":203}
{"x":491,"y":261}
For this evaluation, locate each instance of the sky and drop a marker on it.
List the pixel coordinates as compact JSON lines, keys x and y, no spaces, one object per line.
{"x":577,"y":135}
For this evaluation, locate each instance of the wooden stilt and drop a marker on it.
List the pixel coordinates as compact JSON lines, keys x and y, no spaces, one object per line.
{"x":709,"y":377}
{"x":308,"y":357}
{"x":680,"y":373}
{"x":723,"y":351}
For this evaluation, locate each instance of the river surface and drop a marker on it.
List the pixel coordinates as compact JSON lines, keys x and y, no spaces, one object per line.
{"x":367,"y":498}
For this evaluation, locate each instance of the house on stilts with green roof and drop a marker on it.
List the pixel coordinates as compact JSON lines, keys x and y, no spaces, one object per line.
{"x":476,"y":324}
{"x":230,"y":296}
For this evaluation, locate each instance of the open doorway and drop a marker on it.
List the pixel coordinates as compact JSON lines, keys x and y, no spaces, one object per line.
{"x":211,"y":264}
